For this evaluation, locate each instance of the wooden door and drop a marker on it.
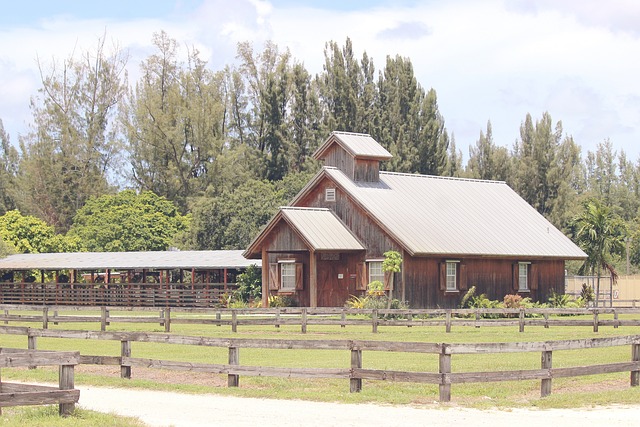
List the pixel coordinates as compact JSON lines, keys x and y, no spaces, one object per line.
{"x":333,"y":283}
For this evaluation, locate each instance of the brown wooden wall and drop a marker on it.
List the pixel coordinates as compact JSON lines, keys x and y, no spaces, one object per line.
{"x":337,"y":157}
{"x":366,"y":170}
{"x":493,"y":277}
{"x":376,"y":241}
{"x":283,"y":238}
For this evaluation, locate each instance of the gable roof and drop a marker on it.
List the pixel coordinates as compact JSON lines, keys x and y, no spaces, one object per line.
{"x":359,"y":145}
{"x":126,"y":260}
{"x":430,"y":215}
{"x":319,"y":228}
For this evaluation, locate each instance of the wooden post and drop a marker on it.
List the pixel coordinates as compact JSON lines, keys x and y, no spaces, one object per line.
{"x":616,"y":323}
{"x":374,"y":320}
{"x":55,"y":314}
{"x":103,"y":318}
{"x":218,"y":318}
{"x":546,"y":363}
{"x":265,"y":277}
{"x":6,"y":315}
{"x":234,"y":321}
{"x":277,"y":320}
{"x":356,"y":363}
{"x":45,"y":317}
{"x":313,"y":280}
{"x":303,"y":321}
{"x":521,"y":320}
{"x":66,"y":382}
{"x":595,"y":320}
{"x":477,"y":318}
{"x":233,"y":380}
{"x":546,"y":320}
{"x":409,"y":320}
{"x":167,"y":319}
{"x":635,"y":357}
{"x":162,"y":317}
{"x":125,"y":351}
{"x":445,"y":370}
{"x":32,"y":344}
{"x":447,"y":320}
{"x":343,"y":318}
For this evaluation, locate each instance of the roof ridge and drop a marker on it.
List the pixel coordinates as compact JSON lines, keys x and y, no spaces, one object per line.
{"x":303,"y":208}
{"x":450,"y":178}
{"x":338,"y":132}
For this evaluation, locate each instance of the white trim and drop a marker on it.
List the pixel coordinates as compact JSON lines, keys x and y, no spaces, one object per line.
{"x":330,"y":194}
{"x":286,"y":261}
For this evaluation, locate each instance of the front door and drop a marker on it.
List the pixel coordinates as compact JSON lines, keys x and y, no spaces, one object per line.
{"x":333,"y":283}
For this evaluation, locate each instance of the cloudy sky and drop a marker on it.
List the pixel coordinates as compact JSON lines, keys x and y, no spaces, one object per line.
{"x":488,"y":60}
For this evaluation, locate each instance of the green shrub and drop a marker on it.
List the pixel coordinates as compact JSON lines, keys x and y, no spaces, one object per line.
{"x":249,"y":284}
{"x":375,"y":288}
{"x":282,"y":301}
{"x":587,"y":294}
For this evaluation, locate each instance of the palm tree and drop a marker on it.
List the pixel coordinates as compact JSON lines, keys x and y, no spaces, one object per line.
{"x":599,"y":232}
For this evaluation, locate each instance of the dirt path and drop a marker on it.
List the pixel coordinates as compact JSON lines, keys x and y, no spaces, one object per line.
{"x":157,"y":408}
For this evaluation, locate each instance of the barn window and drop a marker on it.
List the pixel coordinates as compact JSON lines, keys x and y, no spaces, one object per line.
{"x":288,"y":276}
{"x":330,"y":195}
{"x":523,"y":276}
{"x":452,"y":276}
{"x":375,"y":271}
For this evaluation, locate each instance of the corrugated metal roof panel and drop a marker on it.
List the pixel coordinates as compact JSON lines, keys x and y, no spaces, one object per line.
{"x":322,"y":229}
{"x":437,"y":215}
{"x":358,"y":144}
{"x":127,"y":260}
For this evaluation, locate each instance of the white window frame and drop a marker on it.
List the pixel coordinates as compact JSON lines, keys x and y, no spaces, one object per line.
{"x":451,"y":276}
{"x":288,"y":276}
{"x":375,"y":271}
{"x":523,"y":276}
{"x":330,"y":195}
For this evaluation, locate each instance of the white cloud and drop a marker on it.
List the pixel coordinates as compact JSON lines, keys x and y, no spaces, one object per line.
{"x":487,"y":60}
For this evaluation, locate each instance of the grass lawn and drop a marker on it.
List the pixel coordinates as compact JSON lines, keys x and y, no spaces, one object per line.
{"x":570,"y":392}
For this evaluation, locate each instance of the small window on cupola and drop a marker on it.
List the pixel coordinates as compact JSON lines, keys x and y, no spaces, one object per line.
{"x":330,"y":195}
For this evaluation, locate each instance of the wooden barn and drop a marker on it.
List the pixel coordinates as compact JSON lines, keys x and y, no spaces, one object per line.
{"x":452,"y":233}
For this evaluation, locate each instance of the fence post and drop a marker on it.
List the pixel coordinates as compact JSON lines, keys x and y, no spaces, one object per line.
{"x":409,"y":320}
{"x":125,"y":351}
{"x":546,"y":363}
{"x":521,"y":320}
{"x":343,"y":318}
{"x":167,"y":319}
{"x":616,"y":323}
{"x":162,"y":317}
{"x":304,"y":321}
{"x":355,"y":384}
{"x":445,"y":369}
{"x":635,"y":357}
{"x":233,"y":380}
{"x":55,"y":314}
{"x":595,"y":320}
{"x":546,"y":320}
{"x":6,"y":315}
{"x":234,"y":321}
{"x":66,"y":382}
{"x":103,"y":318}
{"x":277,"y":321}
{"x":374,"y":320}
{"x":447,"y":320}
{"x":218,"y":318}
{"x":45,"y":317}
{"x":32,"y":344}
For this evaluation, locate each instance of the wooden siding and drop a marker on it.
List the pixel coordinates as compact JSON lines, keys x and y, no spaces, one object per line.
{"x":376,"y":241}
{"x":337,"y":157}
{"x":334,"y":291}
{"x":283,"y":238}
{"x":366,"y":170}
{"x":493,"y":277}
{"x":300,"y":295}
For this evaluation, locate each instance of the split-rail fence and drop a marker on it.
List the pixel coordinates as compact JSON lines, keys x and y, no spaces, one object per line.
{"x":355,"y":373}
{"x":303,"y":317}
{"x":16,"y":394}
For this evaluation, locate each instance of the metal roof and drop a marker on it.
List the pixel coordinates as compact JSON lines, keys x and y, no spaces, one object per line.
{"x":126,"y":260}
{"x":454,"y":216}
{"x":321,"y":229}
{"x":360,"y":145}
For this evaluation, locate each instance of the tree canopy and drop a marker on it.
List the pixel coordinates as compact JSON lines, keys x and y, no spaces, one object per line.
{"x":128,"y":222}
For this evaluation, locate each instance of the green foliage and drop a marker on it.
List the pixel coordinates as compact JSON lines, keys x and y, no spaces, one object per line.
{"x":471,"y":300}
{"x":276,"y":301}
{"x":358,"y":302}
{"x":586,"y":293}
{"x":48,"y":416}
{"x":28,"y":234}
{"x":6,"y":248}
{"x":392,"y":262}
{"x":8,"y":171}
{"x":128,"y":222}
{"x":249,"y":284}
{"x":375,"y":288}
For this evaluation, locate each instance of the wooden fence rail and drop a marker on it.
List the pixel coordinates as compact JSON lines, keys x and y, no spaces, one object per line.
{"x":329,"y":316}
{"x":355,"y":373}
{"x":15,"y":394}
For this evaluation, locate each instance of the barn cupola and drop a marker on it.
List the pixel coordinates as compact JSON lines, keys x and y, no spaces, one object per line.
{"x":358,"y":155}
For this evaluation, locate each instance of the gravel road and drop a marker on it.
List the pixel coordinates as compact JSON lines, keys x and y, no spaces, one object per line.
{"x":157,"y":408}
